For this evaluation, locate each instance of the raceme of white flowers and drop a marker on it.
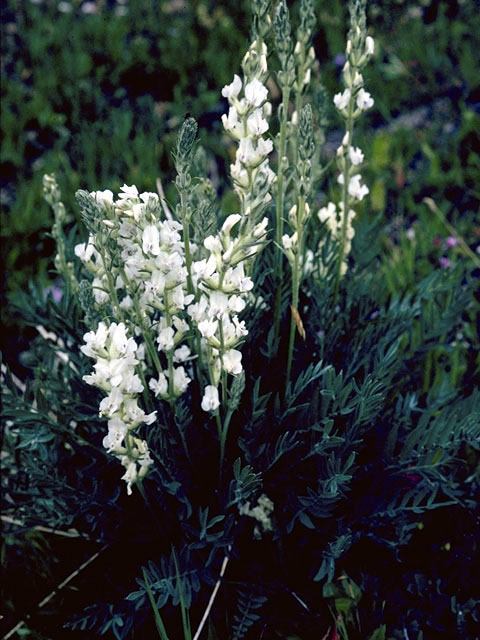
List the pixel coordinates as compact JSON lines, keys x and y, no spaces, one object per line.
{"x":116,"y":358}
{"x":351,"y":103}
{"x":247,"y":122}
{"x":171,"y":313}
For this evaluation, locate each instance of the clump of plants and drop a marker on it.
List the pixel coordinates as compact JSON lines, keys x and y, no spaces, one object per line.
{"x":234,"y":401}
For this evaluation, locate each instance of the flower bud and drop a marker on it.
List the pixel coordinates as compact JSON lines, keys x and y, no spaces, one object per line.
{"x":369,"y":46}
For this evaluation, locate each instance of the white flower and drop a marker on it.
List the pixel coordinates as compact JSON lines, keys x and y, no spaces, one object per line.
{"x":180,"y":325}
{"x":239,"y":176}
{"x":117,"y":430}
{"x":261,"y":227}
{"x":127,"y":192}
{"x":111,"y":372}
{"x":218,"y":303}
{"x":198,"y":311}
{"x":341,"y":100}
{"x":261,"y":513}
{"x":204,"y":268}
{"x":131,"y":382}
{"x":99,"y":292}
{"x":212,"y":243}
{"x":104,"y":197}
{"x":143,"y":453}
{"x":112,"y":402}
{"x":231,"y":220}
{"x":256,"y":123}
{"x":208,"y":328}
{"x":356,"y":155}
{"x":263,"y":148}
{"x":130,"y":476}
{"x":165,"y":339}
{"x":179,"y":298}
{"x":135,"y":415}
{"x":89,"y":7}
{"x":240,"y":329}
{"x":328,"y":213}
{"x":355,"y":189}
{"x":245,"y":152}
{"x":232,"y":90}
{"x":119,"y":341}
{"x":289,"y":241}
{"x":369,"y":46}
{"x":169,"y":233}
{"x":238,"y":279}
{"x":149,"y":195}
{"x":150,"y":240}
{"x":232,"y":361}
{"x":210,"y":400}
{"x":358,"y":79}
{"x":232,"y":123}
{"x":95,"y":340}
{"x":255,"y":93}
{"x":181,"y":354}
{"x":160,"y":386}
{"x":180,"y":381}
{"x":85,"y":251}
{"x":236,"y":303}
{"x":364,"y":100}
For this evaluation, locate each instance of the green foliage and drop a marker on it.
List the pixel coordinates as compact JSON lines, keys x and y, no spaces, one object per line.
{"x":248,"y":604}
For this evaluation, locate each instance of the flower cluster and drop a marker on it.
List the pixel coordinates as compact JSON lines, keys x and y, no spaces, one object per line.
{"x":116,"y":358}
{"x":222,"y":286}
{"x":138,"y":266}
{"x":261,"y":512}
{"x":332,"y":216}
{"x":351,"y":103}
{"x":247,"y":122}
{"x":221,"y":279}
{"x":148,"y":280}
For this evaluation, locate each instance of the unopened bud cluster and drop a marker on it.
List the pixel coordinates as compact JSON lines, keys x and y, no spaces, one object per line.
{"x":299,"y":213}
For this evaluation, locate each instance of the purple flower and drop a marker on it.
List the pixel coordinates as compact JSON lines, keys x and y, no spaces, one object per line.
{"x":55,"y":292}
{"x":339,"y":60}
{"x":450,"y":242}
{"x":445,"y":263}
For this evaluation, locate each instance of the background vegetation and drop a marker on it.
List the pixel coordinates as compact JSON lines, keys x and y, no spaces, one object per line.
{"x":95,"y":92}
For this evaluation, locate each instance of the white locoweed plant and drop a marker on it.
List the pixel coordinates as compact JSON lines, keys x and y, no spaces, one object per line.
{"x":267,"y":404}
{"x":169,"y":296}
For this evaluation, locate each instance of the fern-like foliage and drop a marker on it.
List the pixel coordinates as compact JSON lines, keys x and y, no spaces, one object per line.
{"x":248,"y":604}
{"x":168,"y":584}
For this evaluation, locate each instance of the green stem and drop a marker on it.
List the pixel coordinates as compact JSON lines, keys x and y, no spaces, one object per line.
{"x":186,"y":241}
{"x":279,"y":211}
{"x":346,"y":203}
{"x":223,"y":439}
{"x":224,"y":373}
{"x":146,"y":395}
{"x":296,"y":278}
{"x":224,"y":426}
{"x":111,"y":287}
